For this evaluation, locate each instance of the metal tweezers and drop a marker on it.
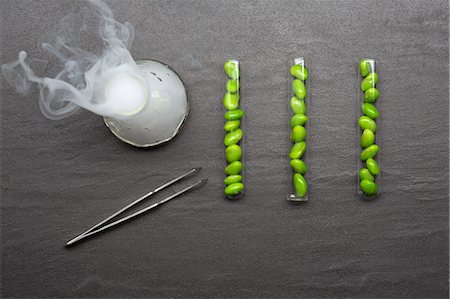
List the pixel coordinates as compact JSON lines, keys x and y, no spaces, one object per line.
{"x":99,"y":226}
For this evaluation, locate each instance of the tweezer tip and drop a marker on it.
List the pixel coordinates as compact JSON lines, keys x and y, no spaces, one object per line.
{"x":195,"y":169}
{"x":73,"y":241}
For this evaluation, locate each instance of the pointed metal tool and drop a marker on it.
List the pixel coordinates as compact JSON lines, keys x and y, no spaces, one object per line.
{"x":95,"y":229}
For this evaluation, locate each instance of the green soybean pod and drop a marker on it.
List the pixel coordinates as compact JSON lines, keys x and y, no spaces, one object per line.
{"x":233,"y":128}
{"x":298,"y":125}
{"x":369,"y":122}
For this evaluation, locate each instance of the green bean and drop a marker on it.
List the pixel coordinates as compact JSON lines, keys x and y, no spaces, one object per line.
{"x":299,"y":72}
{"x":300,"y":185}
{"x":231,"y":100}
{"x":299,"y":89}
{"x":234,"y":168}
{"x":367,"y":138}
{"x":233,"y":137}
{"x":372,"y":165}
{"x":232,"y":125}
{"x":368,"y":187}
{"x":367,"y":123}
{"x":231,"y":179}
{"x":298,"y":106}
{"x":298,"y":150}
{"x":370,"y":152}
{"x":234,"y":189}
{"x":299,"y":166}
{"x":234,"y":114}
{"x":365,"y":67}
{"x":231,"y":69}
{"x":369,"y":81}
{"x":371,"y":95}
{"x":370,"y":110}
{"x":298,"y":134}
{"x":232,"y":85}
{"x":233,"y":153}
{"x":364,"y":174}
{"x":298,"y":120}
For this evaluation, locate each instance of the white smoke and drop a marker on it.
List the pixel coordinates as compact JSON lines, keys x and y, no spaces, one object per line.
{"x":85,"y":76}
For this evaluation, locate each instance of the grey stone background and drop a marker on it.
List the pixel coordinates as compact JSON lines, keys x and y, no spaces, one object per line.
{"x":60,"y":177}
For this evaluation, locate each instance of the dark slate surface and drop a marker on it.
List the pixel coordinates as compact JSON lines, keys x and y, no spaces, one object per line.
{"x":59,"y":177}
